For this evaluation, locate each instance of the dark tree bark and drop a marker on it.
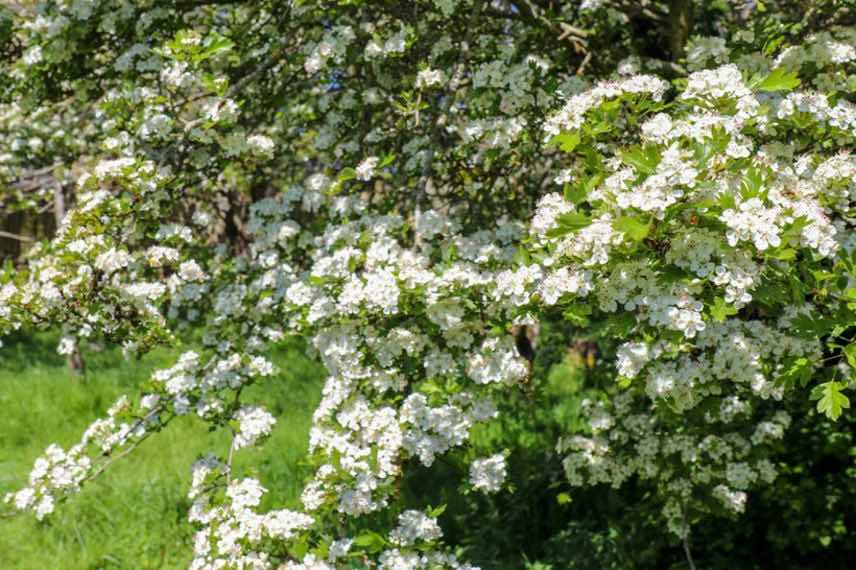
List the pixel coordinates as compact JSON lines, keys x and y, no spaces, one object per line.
{"x":75,"y":361}
{"x":680,"y":26}
{"x":10,"y":244}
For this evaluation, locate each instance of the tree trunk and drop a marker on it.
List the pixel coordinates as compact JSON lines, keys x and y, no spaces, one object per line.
{"x":59,"y":205}
{"x":76,"y":364}
{"x":680,"y":23}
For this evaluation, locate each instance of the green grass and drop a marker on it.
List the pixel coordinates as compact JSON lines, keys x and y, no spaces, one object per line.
{"x":134,"y":515}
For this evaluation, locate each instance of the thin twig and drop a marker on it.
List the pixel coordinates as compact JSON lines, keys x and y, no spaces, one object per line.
{"x":234,"y":434}
{"x":128,"y":450}
{"x":190,"y":4}
{"x":686,"y":540}
{"x":115,"y":458}
{"x":688,"y":553}
{"x":582,"y":68}
{"x":229,"y":458}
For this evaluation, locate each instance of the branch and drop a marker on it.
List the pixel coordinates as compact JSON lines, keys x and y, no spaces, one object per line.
{"x":190,"y":4}
{"x":129,"y":449}
{"x":15,"y":236}
{"x":234,"y":434}
{"x":563,"y":30}
{"x":115,"y":458}
{"x":267,"y":64}
{"x":569,"y":30}
{"x":686,"y":541}
{"x":36,"y":178}
{"x":643,"y":8}
{"x":688,"y":553}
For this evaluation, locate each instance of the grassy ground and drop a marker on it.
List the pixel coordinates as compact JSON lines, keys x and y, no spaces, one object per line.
{"x":134,"y":515}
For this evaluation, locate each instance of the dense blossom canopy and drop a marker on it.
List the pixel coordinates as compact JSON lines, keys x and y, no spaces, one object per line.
{"x":409,"y":186}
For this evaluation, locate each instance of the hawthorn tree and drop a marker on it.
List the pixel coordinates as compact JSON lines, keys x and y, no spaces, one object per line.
{"x":415,"y":188}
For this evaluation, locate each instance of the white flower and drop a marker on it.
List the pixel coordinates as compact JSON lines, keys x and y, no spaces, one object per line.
{"x":191,"y":271}
{"x":112,"y":260}
{"x":366,"y":169}
{"x":632,"y":357}
{"x":261,"y":144}
{"x":752,"y":221}
{"x":488,"y":474}
{"x":33,"y":55}
{"x":415,"y":526}
{"x":254,"y":424}
{"x":67,"y":345}
{"x":497,"y":361}
{"x":429,"y":77}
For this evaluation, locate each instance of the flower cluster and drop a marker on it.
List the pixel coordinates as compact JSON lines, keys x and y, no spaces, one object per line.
{"x":488,"y":474}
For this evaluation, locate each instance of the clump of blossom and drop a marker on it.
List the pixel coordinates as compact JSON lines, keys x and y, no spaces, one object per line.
{"x":415,"y":526}
{"x":488,"y":474}
{"x":254,"y":423}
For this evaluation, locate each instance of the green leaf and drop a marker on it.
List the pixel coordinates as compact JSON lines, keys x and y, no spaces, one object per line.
{"x":574,"y":220}
{"x":569,"y":223}
{"x":216,"y":46}
{"x":598,"y":127}
{"x":371,"y":541}
{"x":566,"y":142}
{"x":578,"y":314}
{"x":299,"y":549}
{"x":850,"y":353}
{"x":752,"y":183}
{"x":671,"y":274}
{"x":593,"y":159}
{"x":773,"y":44}
{"x":797,"y":371}
{"x":711,"y":146}
{"x":436,"y":511}
{"x":347,"y":174}
{"x":386,"y":160}
{"x":793,"y":230}
{"x":830,"y":400}
{"x":772,"y":293}
{"x":575,"y":193}
{"x":727,"y":201}
{"x":522,"y":257}
{"x":632,"y":227}
{"x":812,"y":326}
{"x":618,"y":325}
{"x":782,"y":253}
{"x":644,"y":160}
{"x":720,"y":309}
{"x":779,"y":80}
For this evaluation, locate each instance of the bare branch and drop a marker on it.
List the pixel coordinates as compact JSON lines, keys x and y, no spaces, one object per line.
{"x":15,"y":236}
{"x":128,"y":450}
